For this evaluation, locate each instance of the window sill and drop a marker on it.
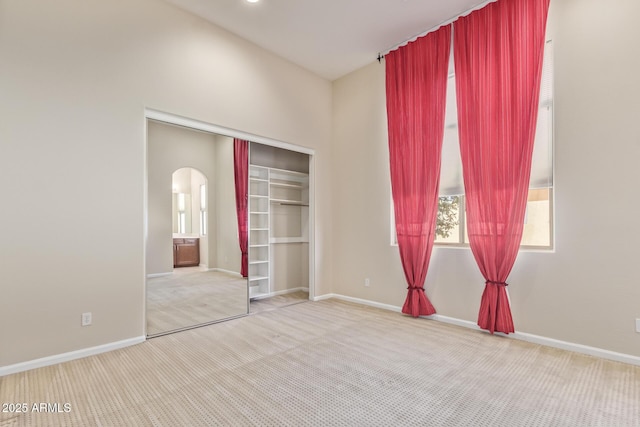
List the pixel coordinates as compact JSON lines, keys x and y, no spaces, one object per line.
{"x":541,"y":249}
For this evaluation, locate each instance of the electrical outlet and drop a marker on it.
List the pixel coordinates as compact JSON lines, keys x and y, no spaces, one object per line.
{"x":367,"y":282}
{"x":637,"y":325}
{"x":86,"y":319}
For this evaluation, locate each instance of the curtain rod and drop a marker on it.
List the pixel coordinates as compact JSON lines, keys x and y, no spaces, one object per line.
{"x":480,"y":5}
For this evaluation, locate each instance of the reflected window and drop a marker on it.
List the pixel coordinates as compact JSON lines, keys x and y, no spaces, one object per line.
{"x":203,"y":210}
{"x":182,"y":216}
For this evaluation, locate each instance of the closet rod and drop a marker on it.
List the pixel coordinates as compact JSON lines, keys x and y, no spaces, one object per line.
{"x":291,"y":204}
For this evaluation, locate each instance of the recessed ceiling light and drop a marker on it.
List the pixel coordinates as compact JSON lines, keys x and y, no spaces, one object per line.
{"x":253,"y":1}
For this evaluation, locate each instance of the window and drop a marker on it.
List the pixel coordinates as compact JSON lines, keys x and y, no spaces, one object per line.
{"x":182,"y":215}
{"x":203,"y":210}
{"x":538,"y":226}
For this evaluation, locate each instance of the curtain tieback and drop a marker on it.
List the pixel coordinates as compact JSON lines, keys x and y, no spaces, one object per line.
{"x":415,"y":289}
{"x":496,"y":283}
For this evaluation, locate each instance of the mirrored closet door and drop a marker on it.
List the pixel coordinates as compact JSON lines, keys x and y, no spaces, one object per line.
{"x":193,"y":257}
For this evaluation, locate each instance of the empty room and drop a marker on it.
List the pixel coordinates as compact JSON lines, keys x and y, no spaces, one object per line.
{"x":345,"y":213}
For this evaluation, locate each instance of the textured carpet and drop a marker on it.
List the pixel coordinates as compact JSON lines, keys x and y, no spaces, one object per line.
{"x":191,"y":297}
{"x":330,"y":363}
{"x":278,"y":301}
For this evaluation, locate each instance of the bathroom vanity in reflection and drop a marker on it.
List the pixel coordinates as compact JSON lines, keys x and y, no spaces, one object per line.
{"x":186,"y":252}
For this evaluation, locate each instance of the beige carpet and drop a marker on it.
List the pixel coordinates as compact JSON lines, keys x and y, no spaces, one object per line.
{"x":330,"y":363}
{"x":191,"y":296}
{"x":277,"y":301}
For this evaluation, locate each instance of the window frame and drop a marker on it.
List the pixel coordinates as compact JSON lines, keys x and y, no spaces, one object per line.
{"x":203,"y":210}
{"x":462,"y":244}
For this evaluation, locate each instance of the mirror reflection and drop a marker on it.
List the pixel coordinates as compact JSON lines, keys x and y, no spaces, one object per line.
{"x":181,"y":213}
{"x":193,"y":252}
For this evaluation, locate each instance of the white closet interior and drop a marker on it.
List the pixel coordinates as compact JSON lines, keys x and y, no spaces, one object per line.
{"x":278,"y":221}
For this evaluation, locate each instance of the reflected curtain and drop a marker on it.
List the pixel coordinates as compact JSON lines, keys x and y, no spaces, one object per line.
{"x":498,"y":52}
{"x":416,"y":83}
{"x":241,"y":175}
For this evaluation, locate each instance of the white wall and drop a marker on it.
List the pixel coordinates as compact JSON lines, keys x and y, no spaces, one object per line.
{"x":75,"y":77}
{"x":586,"y":291}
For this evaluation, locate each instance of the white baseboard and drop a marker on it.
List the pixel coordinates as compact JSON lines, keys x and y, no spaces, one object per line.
{"x":536,"y":339}
{"x":359,"y":301}
{"x":151,"y":276}
{"x":222,"y":270}
{"x":66,"y":357}
{"x":522,"y":336}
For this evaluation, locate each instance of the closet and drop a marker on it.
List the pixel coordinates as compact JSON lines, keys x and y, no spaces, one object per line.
{"x":278,"y":221}
{"x":280,"y":225}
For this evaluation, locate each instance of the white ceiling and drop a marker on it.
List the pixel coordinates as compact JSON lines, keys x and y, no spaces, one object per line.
{"x":328,"y":37}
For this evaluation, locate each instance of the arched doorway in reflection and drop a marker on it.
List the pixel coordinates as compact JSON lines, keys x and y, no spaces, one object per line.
{"x":189,"y":215}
